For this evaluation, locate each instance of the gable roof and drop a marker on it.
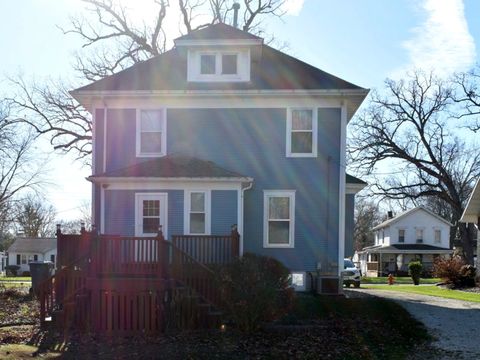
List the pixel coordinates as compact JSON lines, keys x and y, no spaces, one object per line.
{"x":405,"y":247}
{"x":173,"y":167}
{"x":407,"y":213}
{"x":220,"y":31}
{"x":32,"y":245}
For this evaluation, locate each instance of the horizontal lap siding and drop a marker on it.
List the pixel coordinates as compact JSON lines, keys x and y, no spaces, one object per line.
{"x":120,"y":211}
{"x":252,"y":143}
{"x":121,"y":138}
{"x":224,"y":211}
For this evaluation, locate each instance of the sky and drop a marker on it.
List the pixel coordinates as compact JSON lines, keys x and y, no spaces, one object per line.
{"x":362,"y":41}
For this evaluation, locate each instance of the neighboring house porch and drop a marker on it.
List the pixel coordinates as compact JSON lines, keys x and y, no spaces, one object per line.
{"x":383,"y":260}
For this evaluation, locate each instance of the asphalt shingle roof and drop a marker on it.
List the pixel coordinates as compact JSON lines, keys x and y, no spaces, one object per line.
{"x":274,"y":70}
{"x":353,"y":180}
{"x":33,"y":245}
{"x":173,"y":167}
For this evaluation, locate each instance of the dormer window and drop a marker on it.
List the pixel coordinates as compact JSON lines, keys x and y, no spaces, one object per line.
{"x":223,"y":65}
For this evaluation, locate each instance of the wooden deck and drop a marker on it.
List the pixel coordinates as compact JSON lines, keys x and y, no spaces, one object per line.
{"x":132,"y":285}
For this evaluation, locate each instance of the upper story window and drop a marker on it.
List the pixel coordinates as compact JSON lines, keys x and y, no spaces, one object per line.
{"x":151,"y":133}
{"x":438,"y":236}
{"x":197,"y":212}
{"x":401,"y":235}
{"x":219,"y":65}
{"x":302,"y":132}
{"x":279,"y":218}
{"x":419,"y":235}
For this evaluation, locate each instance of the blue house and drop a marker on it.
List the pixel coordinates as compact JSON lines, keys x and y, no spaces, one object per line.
{"x":221,"y":130}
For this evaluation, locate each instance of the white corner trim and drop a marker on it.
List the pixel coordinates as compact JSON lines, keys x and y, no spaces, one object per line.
{"x":279,"y":193}
{"x":104,"y":138}
{"x":138,"y":127}
{"x":341,"y":188}
{"x":186,"y":210}
{"x":102,"y":210}
{"x":289,"y":131}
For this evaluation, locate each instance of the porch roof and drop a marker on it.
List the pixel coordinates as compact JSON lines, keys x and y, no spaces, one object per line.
{"x":407,"y":249}
{"x":173,"y":167}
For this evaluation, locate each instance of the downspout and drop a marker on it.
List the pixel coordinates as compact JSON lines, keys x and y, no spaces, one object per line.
{"x":245,"y":187}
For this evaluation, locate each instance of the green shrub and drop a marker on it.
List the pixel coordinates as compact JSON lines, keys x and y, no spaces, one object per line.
{"x":255,"y":289}
{"x":415,"y":271}
{"x":12,"y":270}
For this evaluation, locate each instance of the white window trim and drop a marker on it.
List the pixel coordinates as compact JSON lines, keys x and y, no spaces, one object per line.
{"x":186,"y":211}
{"x":279,"y":193}
{"x":138,"y":133}
{"x":314,"y":132}
{"x":435,"y":229}
{"x":404,"y":235}
{"x":163,"y":197}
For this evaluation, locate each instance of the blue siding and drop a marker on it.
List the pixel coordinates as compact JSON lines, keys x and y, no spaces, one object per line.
{"x":250,"y":142}
{"x":120,"y":211}
{"x":121,"y":150}
{"x":224,"y":211}
{"x":349,"y":224}
{"x":253,"y":144}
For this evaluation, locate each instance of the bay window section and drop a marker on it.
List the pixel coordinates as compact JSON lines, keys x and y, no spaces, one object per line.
{"x":279,"y":218}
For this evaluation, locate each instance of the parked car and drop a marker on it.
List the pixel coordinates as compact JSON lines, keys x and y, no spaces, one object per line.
{"x":350,"y":274}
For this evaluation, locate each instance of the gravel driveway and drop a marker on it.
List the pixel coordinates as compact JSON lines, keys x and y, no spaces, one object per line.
{"x":453,"y":323}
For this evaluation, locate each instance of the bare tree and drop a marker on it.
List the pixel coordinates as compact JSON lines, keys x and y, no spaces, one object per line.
{"x":468,"y":95}
{"x":408,"y":128}
{"x":35,"y":217}
{"x":19,"y":169}
{"x":113,"y":41}
{"x":367,"y":216}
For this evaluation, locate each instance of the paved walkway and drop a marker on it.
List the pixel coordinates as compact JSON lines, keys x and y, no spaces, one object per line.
{"x":455,"y":324}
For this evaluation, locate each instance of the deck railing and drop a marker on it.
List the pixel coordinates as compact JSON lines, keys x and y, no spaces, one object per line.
{"x":97,"y":274}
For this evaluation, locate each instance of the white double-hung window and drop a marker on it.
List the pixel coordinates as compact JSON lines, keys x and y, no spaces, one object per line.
{"x":279,"y":218}
{"x":197,"y":212}
{"x":151,"y":133}
{"x":302,"y":132}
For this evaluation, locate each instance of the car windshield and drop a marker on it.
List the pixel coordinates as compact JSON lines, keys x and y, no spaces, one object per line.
{"x":348,"y":264}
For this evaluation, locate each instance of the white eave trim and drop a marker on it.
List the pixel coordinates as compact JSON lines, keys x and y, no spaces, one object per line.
{"x":354,"y":188}
{"x":149,"y":93}
{"x":169,"y":179}
{"x":396,"y":251}
{"x":469,"y":214}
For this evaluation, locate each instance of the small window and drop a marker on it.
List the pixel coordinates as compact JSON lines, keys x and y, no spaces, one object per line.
{"x":24,"y":259}
{"x":229,"y":64}
{"x":197,"y":212}
{"x":52,"y":258}
{"x":401,"y":235}
{"x":438,"y":236}
{"x":419,"y":235}
{"x":151,"y":135}
{"x":279,"y":212}
{"x":19,"y":261}
{"x":302,"y":133}
{"x":207,"y":64}
{"x":35,"y":257}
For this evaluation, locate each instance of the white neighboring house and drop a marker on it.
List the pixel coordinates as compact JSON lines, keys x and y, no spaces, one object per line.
{"x":414,"y":234}
{"x":25,"y":250}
